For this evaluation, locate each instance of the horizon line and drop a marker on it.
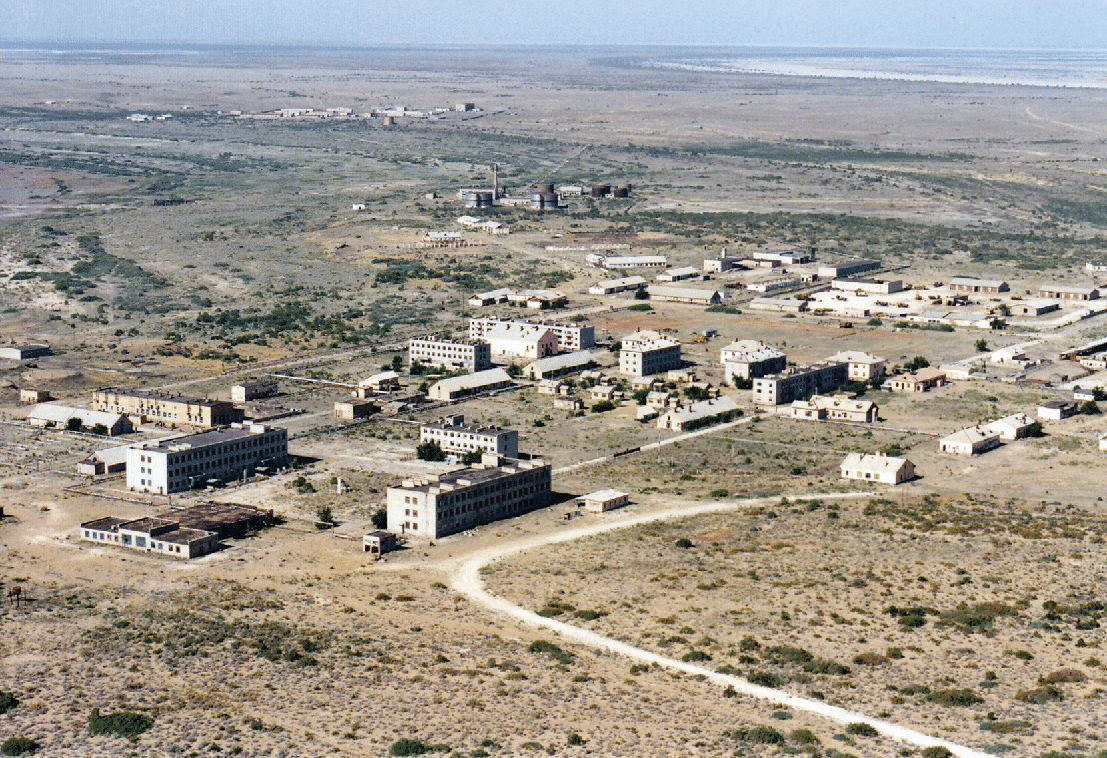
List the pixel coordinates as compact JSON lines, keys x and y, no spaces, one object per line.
{"x":532,"y":44}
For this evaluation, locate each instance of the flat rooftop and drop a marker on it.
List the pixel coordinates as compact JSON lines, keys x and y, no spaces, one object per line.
{"x":166,"y":397}
{"x":211,"y":437}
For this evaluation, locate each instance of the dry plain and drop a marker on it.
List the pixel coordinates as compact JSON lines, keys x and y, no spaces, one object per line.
{"x":290,"y":643}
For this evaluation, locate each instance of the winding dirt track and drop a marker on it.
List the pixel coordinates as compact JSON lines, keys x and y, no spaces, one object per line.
{"x":465,"y":577}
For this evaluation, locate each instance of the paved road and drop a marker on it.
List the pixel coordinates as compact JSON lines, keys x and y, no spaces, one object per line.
{"x":465,"y":578}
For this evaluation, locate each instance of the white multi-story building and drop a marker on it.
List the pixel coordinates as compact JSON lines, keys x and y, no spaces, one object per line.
{"x":455,"y":436}
{"x":862,"y":366}
{"x":648,"y":352}
{"x":570,"y":337}
{"x":521,"y":341}
{"x":439,"y":505}
{"x":751,"y":359}
{"x":179,"y":464}
{"x":469,"y":355}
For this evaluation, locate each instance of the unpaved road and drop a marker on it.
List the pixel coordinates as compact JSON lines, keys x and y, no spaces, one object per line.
{"x":465,"y":577}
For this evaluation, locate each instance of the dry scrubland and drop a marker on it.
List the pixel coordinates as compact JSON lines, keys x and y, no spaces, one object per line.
{"x":960,"y":617}
{"x":287,"y":644}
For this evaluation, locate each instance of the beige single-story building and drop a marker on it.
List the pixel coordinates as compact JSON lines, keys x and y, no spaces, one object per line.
{"x":971,"y":441}
{"x":879,"y":468}
{"x":917,"y":381}
{"x":1056,"y":410}
{"x":604,"y":500}
{"x":1012,"y":427}
{"x":836,"y":408}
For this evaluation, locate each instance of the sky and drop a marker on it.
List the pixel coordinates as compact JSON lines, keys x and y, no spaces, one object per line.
{"x":1059,"y":24}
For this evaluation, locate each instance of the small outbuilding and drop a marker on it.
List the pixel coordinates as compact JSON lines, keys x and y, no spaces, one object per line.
{"x":378,"y":542}
{"x":601,"y":501}
{"x":1056,"y":410}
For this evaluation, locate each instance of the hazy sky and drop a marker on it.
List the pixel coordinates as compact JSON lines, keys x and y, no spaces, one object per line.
{"x":892,"y":23}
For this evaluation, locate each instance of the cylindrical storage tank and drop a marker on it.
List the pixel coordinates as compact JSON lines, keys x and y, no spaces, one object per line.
{"x":548,"y":201}
{"x":536,"y":201}
{"x":629,"y":188}
{"x":622,"y":192}
{"x":601,"y":190}
{"x":471,"y":199}
{"x":484,"y":199}
{"x":545,"y":189}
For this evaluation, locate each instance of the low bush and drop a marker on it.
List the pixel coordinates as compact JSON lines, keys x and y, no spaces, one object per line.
{"x":548,"y":648}
{"x":869,"y":659}
{"x":764,"y":735}
{"x":1040,"y":695}
{"x":936,"y":751}
{"x":123,"y":723}
{"x":804,"y":737}
{"x":862,"y":729}
{"x":764,"y":679}
{"x":955,"y":697}
{"x":1065,"y":676}
{"x":19,"y":746}
{"x":7,"y":701}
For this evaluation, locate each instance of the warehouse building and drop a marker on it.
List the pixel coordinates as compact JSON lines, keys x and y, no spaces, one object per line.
{"x":559,"y":365}
{"x":219,"y":455}
{"x":166,"y":408}
{"x":457,"y":387}
{"x":23,"y":352}
{"x":455,"y":436}
{"x":58,"y":416}
{"x":798,"y":383}
{"x":469,"y":355}
{"x":648,"y":352}
{"x":615,"y":286}
{"x":678,"y":274}
{"x":843,"y":269}
{"x":978,"y":286}
{"x":690,"y":295}
{"x":439,"y":505}
{"x":1058,"y":292}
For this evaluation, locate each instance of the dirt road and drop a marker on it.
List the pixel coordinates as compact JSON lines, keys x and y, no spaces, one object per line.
{"x":465,"y":577}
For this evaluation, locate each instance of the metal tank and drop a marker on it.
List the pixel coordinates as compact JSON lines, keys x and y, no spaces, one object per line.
{"x":601,"y":190}
{"x":621,"y":192}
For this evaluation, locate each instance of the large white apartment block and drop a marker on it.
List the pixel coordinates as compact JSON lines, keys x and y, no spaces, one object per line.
{"x":648,"y":352}
{"x":455,"y":436}
{"x":182,"y":463}
{"x":570,"y":337}
{"x":750,"y":359}
{"x":472,"y":355}
{"x":438,"y":505}
{"x":862,"y":366}
{"x":511,"y":342}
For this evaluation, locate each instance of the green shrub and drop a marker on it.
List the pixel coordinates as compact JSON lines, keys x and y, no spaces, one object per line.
{"x":862,"y":729}
{"x":548,"y":648}
{"x":764,"y":678}
{"x":640,"y":307}
{"x":936,"y":751}
{"x":804,"y":737}
{"x":869,"y":659}
{"x":1065,"y":676}
{"x":1040,"y":695}
{"x":124,"y":723}
{"x":824,"y":666}
{"x":574,"y":739}
{"x":720,"y":493}
{"x":693,"y":656}
{"x":408,"y":746}
{"x":7,"y":701}
{"x":955,"y":697}
{"x":765,"y":735}
{"x":684,"y":543}
{"x":19,"y":746}
{"x":603,"y":406}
